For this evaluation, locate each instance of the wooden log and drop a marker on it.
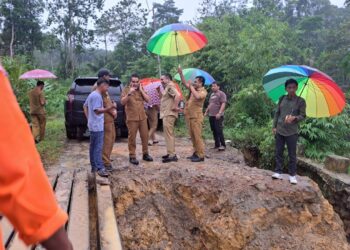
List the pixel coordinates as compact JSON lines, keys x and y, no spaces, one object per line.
{"x":63,"y":189}
{"x":7,"y":230}
{"x":62,"y":192}
{"x":108,"y":229}
{"x":78,"y":225}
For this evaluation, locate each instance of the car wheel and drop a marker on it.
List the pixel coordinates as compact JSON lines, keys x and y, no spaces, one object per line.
{"x":80,"y":133}
{"x":71,"y":132}
{"x":124,"y":133}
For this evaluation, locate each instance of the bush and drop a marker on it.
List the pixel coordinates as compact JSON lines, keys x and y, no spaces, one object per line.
{"x":51,"y":148}
{"x":15,"y":67}
{"x":322,"y":137}
{"x":250,"y":126}
{"x":250,"y":107}
{"x":260,"y":138}
{"x":55,"y":91}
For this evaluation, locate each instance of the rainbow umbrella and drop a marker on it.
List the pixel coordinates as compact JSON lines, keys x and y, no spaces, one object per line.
{"x":176,"y":40}
{"x":322,"y":95}
{"x":37,"y":74}
{"x":192,"y":73}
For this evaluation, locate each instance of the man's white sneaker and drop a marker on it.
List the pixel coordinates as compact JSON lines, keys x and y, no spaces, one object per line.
{"x":293,"y":180}
{"x":277,"y":176}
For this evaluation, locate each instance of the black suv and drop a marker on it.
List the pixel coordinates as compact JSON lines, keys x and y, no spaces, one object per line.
{"x":76,"y":122}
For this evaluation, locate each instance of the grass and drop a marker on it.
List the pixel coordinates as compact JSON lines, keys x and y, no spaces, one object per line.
{"x":51,"y":148}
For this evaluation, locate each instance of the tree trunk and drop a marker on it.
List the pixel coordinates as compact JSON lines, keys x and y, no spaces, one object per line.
{"x":12,"y":39}
{"x":106,"y":48}
{"x":158,"y":57}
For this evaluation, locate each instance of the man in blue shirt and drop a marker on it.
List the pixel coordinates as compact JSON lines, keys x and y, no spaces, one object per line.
{"x":94,"y":112}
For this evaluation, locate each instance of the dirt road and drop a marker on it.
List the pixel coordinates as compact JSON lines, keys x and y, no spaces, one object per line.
{"x":217,"y":204}
{"x":76,"y":154}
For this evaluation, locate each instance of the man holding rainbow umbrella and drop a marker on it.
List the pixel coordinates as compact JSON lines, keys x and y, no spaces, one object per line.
{"x":309,"y":92}
{"x":176,"y":40}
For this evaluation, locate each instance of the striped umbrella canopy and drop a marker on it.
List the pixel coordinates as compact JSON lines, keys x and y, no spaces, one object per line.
{"x":150,"y":85}
{"x":323,"y":96}
{"x":176,"y":40}
{"x":192,"y":73}
{"x":37,"y":74}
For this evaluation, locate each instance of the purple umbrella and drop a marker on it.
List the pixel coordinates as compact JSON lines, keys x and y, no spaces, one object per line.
{"x":37,"y":74}
{"x":150,"y":85}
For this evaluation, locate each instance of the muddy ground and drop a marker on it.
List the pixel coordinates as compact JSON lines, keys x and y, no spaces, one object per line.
{"x":217,"y":204}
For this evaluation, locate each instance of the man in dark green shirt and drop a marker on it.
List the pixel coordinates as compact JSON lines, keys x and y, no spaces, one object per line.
{"x":291,"y":110}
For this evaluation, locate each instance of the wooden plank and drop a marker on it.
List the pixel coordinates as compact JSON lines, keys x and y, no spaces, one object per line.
{"x":62,"y":192}
{"x":63,"y":189}
{"x":109,"y":234}
{"x":6,"y":229}
{"x":78,"y":225}
{"x":52,"y":179}
{"x":16,"y":243}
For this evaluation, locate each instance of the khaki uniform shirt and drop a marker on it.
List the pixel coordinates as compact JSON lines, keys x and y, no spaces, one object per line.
{"x":195,"y":106}
{"x":134,"y":108}
{"x":36,"y":96}
{"x":107,"y":101}
{"x":167,"y":101}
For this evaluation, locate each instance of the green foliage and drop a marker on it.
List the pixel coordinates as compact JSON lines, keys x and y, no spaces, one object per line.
{"x":249,"y":107}
{"x":50,"y":149}
{"x":166,"y":13}
{"x":322,"y":137}
{"x":21,"y":31}
{"x":55,"y":91}
{"x":70,"y":21}
{"x":259,"y":137}
{"x":55,"y":94}
{"x":15,"y":67}
{"x":242,"y":48}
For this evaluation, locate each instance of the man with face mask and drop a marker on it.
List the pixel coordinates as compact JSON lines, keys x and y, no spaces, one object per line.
{"x":195,"y":114}
{"x":133,"y":98}
{"x":37,"y":111}
{"x":169,"y":109}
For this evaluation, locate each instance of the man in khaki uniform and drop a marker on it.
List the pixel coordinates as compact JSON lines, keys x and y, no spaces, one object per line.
{"x":195,"y":114}
{"x":169,"y":109}
{"x":109,"y":132}
{"x":37,"y":111}
{"x":109,"y":126}
{"x":133,"y":97}
{"x":187,"y":120}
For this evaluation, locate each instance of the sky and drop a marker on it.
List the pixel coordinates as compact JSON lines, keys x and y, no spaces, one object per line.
{"x":190,"y":6}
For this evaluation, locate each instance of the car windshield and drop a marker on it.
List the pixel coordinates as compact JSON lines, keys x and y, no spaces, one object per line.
{"x":84,"y":86}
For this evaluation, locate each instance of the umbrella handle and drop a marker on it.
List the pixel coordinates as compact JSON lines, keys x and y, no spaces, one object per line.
{"x":177,"y":48}
{"x":301,"y":94}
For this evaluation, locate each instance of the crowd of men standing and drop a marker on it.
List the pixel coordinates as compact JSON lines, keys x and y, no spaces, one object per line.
{"x":142,"y":117}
